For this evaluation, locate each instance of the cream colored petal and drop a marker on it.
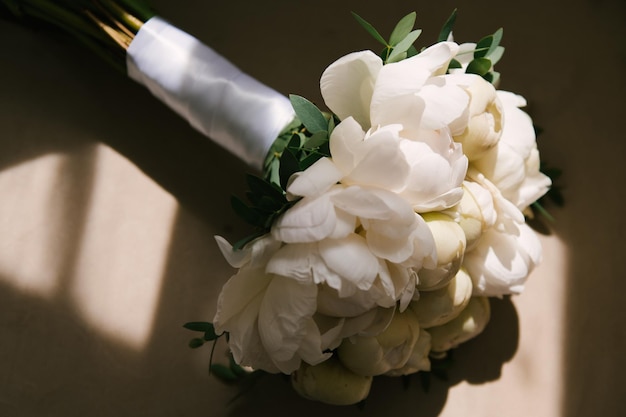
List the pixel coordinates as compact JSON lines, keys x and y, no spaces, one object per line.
{"x":347,"y":85}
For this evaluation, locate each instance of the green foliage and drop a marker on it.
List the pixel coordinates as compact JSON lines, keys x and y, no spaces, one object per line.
{"x":311,"y":117}
{"x":447,"y":27}
{"x":400,"y":43}
{"x":266,"y":201}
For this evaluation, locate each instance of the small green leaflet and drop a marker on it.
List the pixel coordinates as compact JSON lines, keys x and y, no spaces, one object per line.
{"x":446,"y":30}
{"x":404,"y":45}
{"x":402,"y":29}
{"x":370,"y":29}
{"x":311,"y":117}
{"x":480,"y":66}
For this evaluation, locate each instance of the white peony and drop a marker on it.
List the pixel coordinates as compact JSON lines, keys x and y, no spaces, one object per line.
{"x":485,"y":123}
{"x":513,"y":165}
{"x":501,"y":259}
{"x":397,"y":124}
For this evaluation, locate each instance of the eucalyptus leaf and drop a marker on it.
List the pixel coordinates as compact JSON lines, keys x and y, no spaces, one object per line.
{"x":196,"y":343}
{"x":248,"y":214}
{"x":446,"y":30}
{"x":497,"y":38}
{"x":315,"y":141}
{"x":289,"y":164}
{"x":480,"y":66}
{"x":243,"y":242}
{"x":487,"y":45}
{"x":261,"y":187}
{"x":482,"y":46}
{"x":235,"y":367}
{"x":370,"y":29}
{"x":309,"y":160}
{"x":199,"y":326}
{"x":311,"y":117}
{"x":404,"y":45}
{"x":402,"y":29}
{"x":493,"y":77}
{"x":454,"y":64}
{"x":496,"y":55}
{"x":223,"y":372}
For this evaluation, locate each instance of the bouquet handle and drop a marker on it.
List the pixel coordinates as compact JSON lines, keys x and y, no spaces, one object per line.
{"x":219,"y":100}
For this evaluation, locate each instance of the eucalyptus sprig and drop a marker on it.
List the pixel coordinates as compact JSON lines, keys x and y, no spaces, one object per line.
{"x":400,"y":43}
{"x":300,"y":145}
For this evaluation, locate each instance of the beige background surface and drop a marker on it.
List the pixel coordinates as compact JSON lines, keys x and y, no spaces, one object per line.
{"x":108,"y":205}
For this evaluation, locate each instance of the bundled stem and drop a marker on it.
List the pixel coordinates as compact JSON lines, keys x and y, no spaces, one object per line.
{"x":107,"y":27}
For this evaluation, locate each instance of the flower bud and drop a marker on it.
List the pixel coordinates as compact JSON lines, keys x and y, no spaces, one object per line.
{"x":468,"y":324}
{"x":484,"y":126}
{"x":419,"y":360}
{"x":450,"y":246}
{"x":476,"y":212}
{"x":438,"y":307}
{"x":331,"y":383}
{"x":390,"y":349}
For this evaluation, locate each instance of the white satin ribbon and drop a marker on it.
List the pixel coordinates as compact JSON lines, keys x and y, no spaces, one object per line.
{"x":233,"y":109}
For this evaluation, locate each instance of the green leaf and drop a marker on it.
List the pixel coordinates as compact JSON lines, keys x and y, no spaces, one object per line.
{"x":404,"y":45}
{"x":493,"y":77}
{"x":487,"y":45}
{"x":497,"y":38}
{"x":370,"y":29}
{"x":480,"y":66}
{"x":454,"y":64}
{"x":317,"y":140}
{"x":243,"y":242}
{"x":235,"y":367}
{"x":198,"y":326}
{"x":482,"y":47}
{"x":223,"y":373}
{"x":261,"y":187}
{"x":196,"y":343}
{"x":289,"y":165}
{"x":402,"y":29}
{"x":496,"y":55}
{"x":248,"y":214}
{"x":412,"y":51}
{"x":309,"y":160}
{"x":447,"y":28}
{"x":311,"y":117}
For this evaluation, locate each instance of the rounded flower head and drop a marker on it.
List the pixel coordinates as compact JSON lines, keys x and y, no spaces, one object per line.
{"x":388,"y":350}
{"x":485,"y":123}
{"x":397,"y":125}
{"x":331,"y":383}
{"x":513,"y":165}
{"x":506,"y":252}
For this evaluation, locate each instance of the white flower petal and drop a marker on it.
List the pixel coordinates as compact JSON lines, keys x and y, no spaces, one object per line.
{"x":446,"y":105}
{"x":347,"y":85}
{"x":409,"y":75}
{"x":239,"y":291}
{"x":351,"y":259}
{"x":296,"y":261}
{"x":315,"y":180}
{"x":309,"y":220}
{"x":344,"y":142}
{"x":284,"y":317}
{"x":501,"y":262}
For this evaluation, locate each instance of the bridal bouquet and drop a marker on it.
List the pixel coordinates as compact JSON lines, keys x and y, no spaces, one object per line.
{"x":382,"y":226}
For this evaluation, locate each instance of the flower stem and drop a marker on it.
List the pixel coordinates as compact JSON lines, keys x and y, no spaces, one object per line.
{"x":107,"y":27}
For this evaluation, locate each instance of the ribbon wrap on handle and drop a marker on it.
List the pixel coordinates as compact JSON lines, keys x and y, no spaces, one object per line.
{"x":230,"y":107}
